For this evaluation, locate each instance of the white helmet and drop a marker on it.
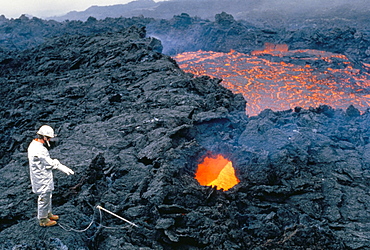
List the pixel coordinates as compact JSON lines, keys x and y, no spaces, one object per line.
{"x":46,"y":130}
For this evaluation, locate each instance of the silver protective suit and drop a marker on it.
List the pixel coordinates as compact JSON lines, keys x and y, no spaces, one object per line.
{"x":41,"y":166}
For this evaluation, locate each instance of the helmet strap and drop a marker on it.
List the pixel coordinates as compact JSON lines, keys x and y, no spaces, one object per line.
{"x":47,"y":141}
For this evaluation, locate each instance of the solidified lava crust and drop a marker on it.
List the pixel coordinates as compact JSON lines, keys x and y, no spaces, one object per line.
{"x":132,"y":125}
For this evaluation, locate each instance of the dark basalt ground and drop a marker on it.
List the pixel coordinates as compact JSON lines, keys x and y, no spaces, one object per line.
{"x":184,"y":33}
{"x":133,"y":127}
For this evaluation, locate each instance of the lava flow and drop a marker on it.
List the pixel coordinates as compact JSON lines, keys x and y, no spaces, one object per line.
{"x":216,"y":171}
{"x":279,"y":79}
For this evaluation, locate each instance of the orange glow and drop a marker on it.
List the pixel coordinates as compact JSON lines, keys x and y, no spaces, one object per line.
{"x":279,"y":79}
{"x":216,"y":171}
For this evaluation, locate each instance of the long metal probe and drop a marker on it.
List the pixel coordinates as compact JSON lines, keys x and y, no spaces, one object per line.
{"x":117,"y":216}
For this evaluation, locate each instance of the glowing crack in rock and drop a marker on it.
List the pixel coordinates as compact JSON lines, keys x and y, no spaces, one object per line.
{"x":279,"y":79}
{"x":216,"y":171}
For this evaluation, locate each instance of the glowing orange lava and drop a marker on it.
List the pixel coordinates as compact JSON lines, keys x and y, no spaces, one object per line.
{"x":279,"y":79}
{"x":216,"y":171}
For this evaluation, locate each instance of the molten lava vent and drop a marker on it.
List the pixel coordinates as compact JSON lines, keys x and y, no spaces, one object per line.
{"x":279,"y":79}
{"x":217,"y":171}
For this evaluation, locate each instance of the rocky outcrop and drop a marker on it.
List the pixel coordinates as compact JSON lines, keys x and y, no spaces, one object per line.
{"x":133,"y":127}
{"x":225,"y":34}
{"x":282,"y":12}
{"x":183,"y":33}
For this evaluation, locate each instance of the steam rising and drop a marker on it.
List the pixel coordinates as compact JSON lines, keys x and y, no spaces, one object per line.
{"x":240,"y":9}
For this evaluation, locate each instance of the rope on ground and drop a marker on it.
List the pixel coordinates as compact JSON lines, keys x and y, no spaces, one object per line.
{"x":68,"y":229}
{"x":75,"y":230}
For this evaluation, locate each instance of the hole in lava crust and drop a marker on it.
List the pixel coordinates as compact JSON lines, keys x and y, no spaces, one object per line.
{"x":216,"y":170}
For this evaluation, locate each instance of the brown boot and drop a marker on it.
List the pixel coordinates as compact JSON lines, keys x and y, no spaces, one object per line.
{"x":53,"y":216}
{"x":46,"y":222}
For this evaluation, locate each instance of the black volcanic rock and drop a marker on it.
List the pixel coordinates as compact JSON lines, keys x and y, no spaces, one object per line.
{"x":133,"y":127}
{"x":183,"y":33}
{"x":280,"y":12}
{"x":111,"y":93}
{"x":25,"y":33}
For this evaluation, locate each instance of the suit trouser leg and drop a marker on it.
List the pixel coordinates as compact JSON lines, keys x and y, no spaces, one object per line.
{"x":44,"y":205}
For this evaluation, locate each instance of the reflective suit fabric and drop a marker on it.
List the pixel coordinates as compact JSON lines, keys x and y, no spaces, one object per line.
{"x":44,"y":205}
{"x":41,"y":166}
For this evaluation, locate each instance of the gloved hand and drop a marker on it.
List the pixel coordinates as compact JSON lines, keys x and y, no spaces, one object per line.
{"x":55,"y":162}
{"x":65,"y":169}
